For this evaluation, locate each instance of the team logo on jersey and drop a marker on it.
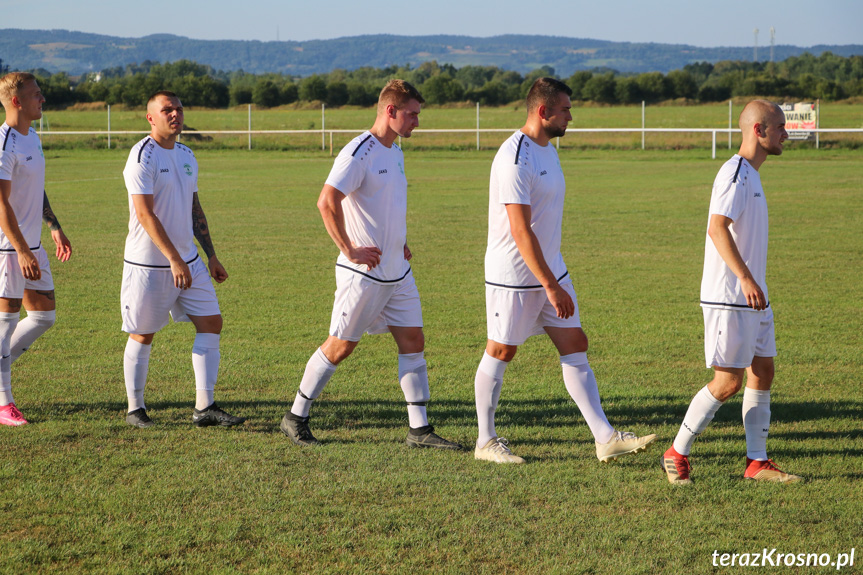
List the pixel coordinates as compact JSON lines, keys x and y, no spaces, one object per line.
{"x":28,"y":158}
{"x":757,"y":195}
{"x":188,"y":169}
{"x":381,"y":172}
{"x":164,"y":170}
{"x":542,"y":173}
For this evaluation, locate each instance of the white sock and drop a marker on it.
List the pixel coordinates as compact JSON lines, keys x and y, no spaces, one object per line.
{"x":699,"y":415}
{"x":136,"y":361}
{"x":205,"y":361}
{"x":414,"y":381}
{"x":581,"y":385}
{"x":29,"y":329}
{"x":487,"y":386}
{"x":8,"y":321}
{"x":756,"y":422}
{"x":318,"y":372}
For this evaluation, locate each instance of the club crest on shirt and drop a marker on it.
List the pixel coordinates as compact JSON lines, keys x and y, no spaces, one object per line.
{"x":188,"y":169}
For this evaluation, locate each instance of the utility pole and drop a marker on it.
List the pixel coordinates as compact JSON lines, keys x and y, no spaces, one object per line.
{"x":755,"y":47}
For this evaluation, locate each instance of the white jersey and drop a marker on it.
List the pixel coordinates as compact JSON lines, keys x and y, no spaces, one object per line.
{"x":524,"y":173}
{"x":23,"y":163}
{"x":171,"y":177}
{"x":372,"y":177}
{"x":737,"y":195}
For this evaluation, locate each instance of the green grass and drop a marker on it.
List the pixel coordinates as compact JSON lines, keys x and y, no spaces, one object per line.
{"x":705,"y":116}
{"x":82,"y":491}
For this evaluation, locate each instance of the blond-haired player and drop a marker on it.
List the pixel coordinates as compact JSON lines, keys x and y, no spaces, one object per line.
{"x":364,"y":205}
{"x":25,"y":275}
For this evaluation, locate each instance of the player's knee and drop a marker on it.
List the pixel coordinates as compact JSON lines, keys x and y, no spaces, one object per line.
{"x":501,"y":352}
{"x":145,"y":339}
{"x":337,"y":350}
{"x":44,"y":319}
{"x":209,"y":324}
{"x":764,"y":375}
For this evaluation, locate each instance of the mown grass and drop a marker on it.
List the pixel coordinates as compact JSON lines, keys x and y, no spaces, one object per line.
{"x":706,"y":116}
{"x":82,"y":491}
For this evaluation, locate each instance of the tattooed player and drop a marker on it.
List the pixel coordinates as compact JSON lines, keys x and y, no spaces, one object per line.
{"x":25,"y":276}
{"x":163,"y":273}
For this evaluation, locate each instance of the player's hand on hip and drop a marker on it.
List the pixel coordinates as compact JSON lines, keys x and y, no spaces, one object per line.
{"x":29,"y":265}
{"x":64,"y":246}
{"x":408,"y":254}
{"x":561,"y":300}
{"x":754,"y":294}
{"x":217,"y":270}
{"x":182,"y":275}
{"x":369,"y":256}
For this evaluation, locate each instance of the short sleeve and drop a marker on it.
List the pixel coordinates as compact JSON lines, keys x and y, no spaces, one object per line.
{"x":7,"y":165}
{"x":514,"y":183}
{"x":347,"y":174}
{"x":139,"y":178}
{"x":728,"y":199}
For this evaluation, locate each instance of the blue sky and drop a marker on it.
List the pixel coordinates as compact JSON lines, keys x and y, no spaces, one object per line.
{"x":696,"y":22}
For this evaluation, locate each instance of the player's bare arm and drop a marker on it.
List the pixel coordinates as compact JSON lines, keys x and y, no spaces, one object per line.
{"x":143,"y":204}
{"x":531,"y":252}
{"x":720,"y":234}
{"x":408,"y":253}
{"x":202,"y":234}
{"x":64,"y":246}
{"x":9,"y":224}
{"x":330,"y":206}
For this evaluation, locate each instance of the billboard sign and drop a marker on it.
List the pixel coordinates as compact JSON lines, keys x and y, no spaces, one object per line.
{"x":800,"y":119}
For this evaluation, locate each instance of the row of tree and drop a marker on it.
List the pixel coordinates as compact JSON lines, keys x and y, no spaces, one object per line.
{"x":828,"y":76}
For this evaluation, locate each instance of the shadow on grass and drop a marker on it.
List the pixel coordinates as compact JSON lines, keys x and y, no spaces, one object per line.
{"x":659,"y":414}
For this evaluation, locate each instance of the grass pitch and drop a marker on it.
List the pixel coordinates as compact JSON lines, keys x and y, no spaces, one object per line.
{"x":82,"y":491}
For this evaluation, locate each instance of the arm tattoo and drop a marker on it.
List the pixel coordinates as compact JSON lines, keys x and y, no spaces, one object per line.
{"x":48,"y":214}
{"x":200,"y":227}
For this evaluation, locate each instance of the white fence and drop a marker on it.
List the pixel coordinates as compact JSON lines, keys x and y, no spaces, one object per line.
{"x":478,"y":131}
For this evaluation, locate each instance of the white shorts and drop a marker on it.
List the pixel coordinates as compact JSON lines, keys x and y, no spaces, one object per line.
{"x":148,"y":296}
{"x":514,"y":316}
{"x":732,"y":338}
{"x":12,"y":282}
{"x":365,"y":306}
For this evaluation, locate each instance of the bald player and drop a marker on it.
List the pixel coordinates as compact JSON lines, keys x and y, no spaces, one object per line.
{"x":738,"y":319}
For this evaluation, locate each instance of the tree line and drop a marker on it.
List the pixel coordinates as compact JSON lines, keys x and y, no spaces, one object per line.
{"x":806,"y":77}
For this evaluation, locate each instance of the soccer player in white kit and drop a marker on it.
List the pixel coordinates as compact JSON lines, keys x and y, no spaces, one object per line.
{"x":25,"y":275}
{"x":528,"y":288}
{"x":364,"y":205}
{"x":163,"y":273}
{"x":738,"y":319}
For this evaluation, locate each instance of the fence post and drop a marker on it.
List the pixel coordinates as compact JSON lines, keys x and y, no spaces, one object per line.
{"x":729,"y":124}
{"x":642,"y":124}
{"x":817,"y":124}
{"x":477,"y":126}
{"x":109,"y":126}
{"x":250,"y":126}
{"x":323,"y":127}
{"x":331,"y":143}
{"x":713,"y":154}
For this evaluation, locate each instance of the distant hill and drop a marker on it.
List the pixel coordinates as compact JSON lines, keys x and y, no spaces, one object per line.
{"x":79,"y":52}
